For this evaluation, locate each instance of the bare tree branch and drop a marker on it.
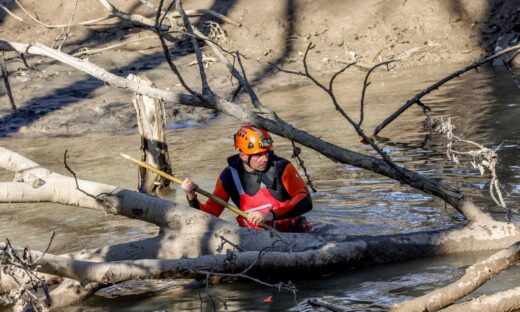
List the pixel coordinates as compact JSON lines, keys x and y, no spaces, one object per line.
{"x":11,"y":13}
{"x":187,"y":24}
{"x":365,"y":86}
{"x":217,"y":49}
{"x":85,"y":51}
{"x":439,"y":83}
{"x":359,"y":130}
{"x":266,"y":120}
{"x":517,"y":83}
{"x":70,"y":24}
{"x":100,"y":73}
{"x":84,"y":23}
{"x":166,"y":50}
{"x":296,"y":153}
{"x":475,"y":276}
{"x":196,"y":12}
{"x":142,"y":20}
{"x":5,"y":76}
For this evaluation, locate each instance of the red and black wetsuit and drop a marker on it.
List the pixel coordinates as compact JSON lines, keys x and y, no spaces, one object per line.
{"x":280,"y":189}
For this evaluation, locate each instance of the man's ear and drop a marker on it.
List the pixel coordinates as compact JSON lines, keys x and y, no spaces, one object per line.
{"x":242,"y":156}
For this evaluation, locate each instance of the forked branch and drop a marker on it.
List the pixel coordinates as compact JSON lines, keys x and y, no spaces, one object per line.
{"x":356,"y":126}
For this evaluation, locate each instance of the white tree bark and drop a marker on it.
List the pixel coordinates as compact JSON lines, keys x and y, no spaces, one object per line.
{"x":504,"y":301}
{"x":150,"y":117}
{"x":475,"y":276}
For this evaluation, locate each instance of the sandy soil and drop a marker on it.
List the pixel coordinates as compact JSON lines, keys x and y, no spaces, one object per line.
{"x":53,"y":99}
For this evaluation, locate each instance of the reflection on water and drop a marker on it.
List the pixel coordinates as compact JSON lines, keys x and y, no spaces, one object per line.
{"x":484,"y":105}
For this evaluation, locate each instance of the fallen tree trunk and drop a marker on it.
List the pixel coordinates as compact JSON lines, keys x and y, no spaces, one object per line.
{"x":185,"y":232}
{"x":354,"y":253}
{"x":475,"y":276}
{"x":508,"y":300}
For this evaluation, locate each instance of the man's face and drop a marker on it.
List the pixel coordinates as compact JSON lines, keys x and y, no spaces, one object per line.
{"x":258,"y":161}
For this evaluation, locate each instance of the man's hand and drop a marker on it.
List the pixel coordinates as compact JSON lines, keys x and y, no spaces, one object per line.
{"x":256,"y":217}
{"x":189,"y":187}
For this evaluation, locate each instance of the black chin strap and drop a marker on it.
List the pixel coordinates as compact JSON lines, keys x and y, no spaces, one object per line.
{"x":248,"y":162}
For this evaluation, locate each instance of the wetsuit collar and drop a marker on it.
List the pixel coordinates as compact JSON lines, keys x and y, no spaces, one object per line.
{"x":267,"y":177}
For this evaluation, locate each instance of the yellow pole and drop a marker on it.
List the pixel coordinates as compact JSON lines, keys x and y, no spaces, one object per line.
{"x":198,"y":190}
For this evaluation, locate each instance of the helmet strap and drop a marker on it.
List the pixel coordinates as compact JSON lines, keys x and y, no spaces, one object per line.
{"x":248,"y":162}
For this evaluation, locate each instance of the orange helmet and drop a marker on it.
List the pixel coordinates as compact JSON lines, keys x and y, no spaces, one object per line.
{"x":251,"y":140}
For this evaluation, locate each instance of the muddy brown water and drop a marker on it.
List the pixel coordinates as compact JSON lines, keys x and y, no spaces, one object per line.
{"x":485,"y":106}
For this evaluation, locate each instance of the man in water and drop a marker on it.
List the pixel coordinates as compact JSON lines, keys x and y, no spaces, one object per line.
{"x":267,"y":187}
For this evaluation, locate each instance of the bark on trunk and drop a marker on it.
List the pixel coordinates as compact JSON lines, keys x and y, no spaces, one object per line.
{"x":504,"y":301}
{"x":154,"y":150}
{"x":475,"y":276}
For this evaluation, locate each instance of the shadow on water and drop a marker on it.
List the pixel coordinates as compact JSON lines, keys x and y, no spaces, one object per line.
{"x":39,"y":107}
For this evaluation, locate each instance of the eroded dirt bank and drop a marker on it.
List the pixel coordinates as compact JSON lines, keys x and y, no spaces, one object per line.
{"x":55,"y":99}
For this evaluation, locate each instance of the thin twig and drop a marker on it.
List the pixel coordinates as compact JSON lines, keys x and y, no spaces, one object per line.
{"x":140,"y":19}
{"x":70,"y":24}
{"x":102,"y":198}
{"x":25,"y":63}
{"x":196,"y":12}
{"x":296,"y":153}
{"x":212,"y":13}
{"x":365,"y":86}
{"x":95,"y":51}
{"x":50,"y":243}
{"x":5,"y":75}
{"x":226,"y":241}
{"x":171,"y":6}
{"x":166,"y":50}
{"x":187,"y":24}
{"x":280,"y":285}
{"x":84,"y":23}
{"x":246,"y":85}
{"x":517,"y":83}
{"x":75,"y":177}
{"x":425,"y":107}
{"x":359,"y":130}
{"x":12,"y":14}
{"x":287,"y":71}
{"x":218,"y":49}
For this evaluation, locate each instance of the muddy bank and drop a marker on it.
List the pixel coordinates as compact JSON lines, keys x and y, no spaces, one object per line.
{"x":53,"y":99}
